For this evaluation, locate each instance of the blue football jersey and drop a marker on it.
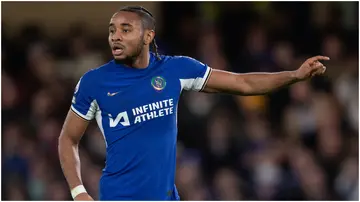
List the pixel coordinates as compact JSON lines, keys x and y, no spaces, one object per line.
{"x":136,"y":111}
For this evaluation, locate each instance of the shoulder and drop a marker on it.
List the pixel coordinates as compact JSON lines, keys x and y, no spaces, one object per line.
{"x":92,"y":76}
{"x":184,"y":59}
{"x":181,"y":61}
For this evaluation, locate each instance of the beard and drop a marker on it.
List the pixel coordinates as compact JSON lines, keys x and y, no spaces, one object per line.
{"x":132,"y":57}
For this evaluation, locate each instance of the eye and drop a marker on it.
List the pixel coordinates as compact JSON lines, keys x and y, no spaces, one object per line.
{"x":112,"y":31}
{"x":126,"y":30}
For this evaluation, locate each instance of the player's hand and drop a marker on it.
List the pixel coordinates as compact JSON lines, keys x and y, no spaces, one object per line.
{"x":83,"y":197}
{"x":311,"y":67}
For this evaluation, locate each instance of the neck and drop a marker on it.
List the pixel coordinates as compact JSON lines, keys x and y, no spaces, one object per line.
{"x":139,"y":62}
{"x":142,"y":61}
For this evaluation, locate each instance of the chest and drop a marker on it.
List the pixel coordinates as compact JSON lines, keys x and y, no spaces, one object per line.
{"x":119,"y":92}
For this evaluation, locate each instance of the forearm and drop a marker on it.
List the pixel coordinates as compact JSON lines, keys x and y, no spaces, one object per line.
{"x":70,"y":161}
{"x":262,"y":83}
{"x":249,"y":83}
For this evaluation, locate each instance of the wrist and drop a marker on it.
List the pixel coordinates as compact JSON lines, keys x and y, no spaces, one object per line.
{"x":294,"y":76}
{"x":77,"y":191}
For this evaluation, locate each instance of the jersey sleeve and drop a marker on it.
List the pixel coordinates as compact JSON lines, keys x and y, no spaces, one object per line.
{"x":194,"y":74}
{"x":82,"y":103}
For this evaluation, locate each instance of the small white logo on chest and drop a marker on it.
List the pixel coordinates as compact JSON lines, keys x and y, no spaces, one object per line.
{"x":112,"y":94}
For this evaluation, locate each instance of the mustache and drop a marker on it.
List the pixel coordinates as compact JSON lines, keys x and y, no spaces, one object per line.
{"x":117,"y":45}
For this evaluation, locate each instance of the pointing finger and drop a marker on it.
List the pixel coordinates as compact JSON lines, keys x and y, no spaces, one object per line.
{"x":317,"y":58}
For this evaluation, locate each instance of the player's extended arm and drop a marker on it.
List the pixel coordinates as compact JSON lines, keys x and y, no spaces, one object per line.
{"x":262,"y":83}
{"x":72,"y":131}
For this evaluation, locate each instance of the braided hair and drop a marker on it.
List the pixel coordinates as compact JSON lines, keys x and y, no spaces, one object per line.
{"x":148,"y":22}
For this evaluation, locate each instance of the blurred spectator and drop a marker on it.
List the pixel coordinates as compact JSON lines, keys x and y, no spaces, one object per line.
{"x":347,"y":184}
{"x":299,"y":118}
{"x":82,"y":58}
{"x":310,"y":176}
{"x":227,"y":185}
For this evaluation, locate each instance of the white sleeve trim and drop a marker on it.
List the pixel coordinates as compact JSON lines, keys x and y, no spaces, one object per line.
{"x":79,"y":114}
{"x":91,"y":112}
{"x":195,"y":84}
{"x":199,"y":82}
{"x":186,"y":84}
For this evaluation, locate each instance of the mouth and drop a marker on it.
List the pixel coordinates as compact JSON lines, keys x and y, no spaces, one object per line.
{"x":117,"y":49}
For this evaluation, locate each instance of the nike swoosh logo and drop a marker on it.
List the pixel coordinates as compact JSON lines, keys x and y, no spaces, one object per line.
{"x":112,"y":94}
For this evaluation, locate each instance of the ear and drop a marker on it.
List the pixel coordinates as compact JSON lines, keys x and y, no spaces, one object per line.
{"x":149,"y":36}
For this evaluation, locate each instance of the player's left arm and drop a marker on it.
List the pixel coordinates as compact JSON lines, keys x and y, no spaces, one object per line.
{"x":261,"y":83}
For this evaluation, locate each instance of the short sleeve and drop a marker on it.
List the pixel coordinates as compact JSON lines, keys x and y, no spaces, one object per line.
{"x":82,"y":103}
{"x":194,"y":74}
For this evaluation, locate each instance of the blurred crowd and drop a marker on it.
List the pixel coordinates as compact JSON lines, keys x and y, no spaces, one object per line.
{"x":297,"y":143}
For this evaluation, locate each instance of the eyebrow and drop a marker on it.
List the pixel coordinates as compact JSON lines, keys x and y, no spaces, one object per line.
{"x":122,"y":24}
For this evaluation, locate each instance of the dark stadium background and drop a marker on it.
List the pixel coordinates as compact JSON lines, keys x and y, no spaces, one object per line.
{"x":298,"y":143}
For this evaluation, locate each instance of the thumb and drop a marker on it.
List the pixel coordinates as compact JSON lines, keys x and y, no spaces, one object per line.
{"x":319,"y":71}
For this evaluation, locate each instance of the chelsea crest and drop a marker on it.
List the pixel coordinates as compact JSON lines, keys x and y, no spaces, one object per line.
{"x":158,"y":83}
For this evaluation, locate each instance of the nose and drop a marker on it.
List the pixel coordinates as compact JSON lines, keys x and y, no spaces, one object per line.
{"x":116,"y":36}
